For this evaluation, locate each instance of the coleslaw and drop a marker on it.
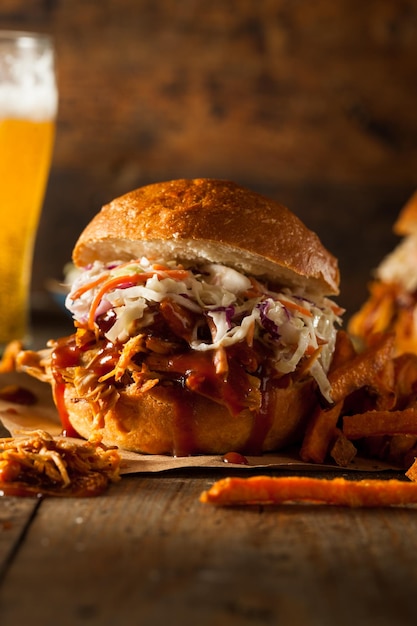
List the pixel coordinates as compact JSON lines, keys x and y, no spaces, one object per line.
{"x":236,"y":308}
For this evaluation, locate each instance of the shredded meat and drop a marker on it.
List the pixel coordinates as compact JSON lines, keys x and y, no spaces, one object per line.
{"x":99,"y":370}
{"x":36,"y":464}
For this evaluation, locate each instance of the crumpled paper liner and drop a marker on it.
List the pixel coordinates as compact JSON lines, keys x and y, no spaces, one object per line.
{"x":20,"y":418}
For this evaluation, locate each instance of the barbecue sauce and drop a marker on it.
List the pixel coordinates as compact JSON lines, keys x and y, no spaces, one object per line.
{"x":196,"y":371}
{"x":263,"y":418}
{"x":67,"y":428}
{"x":65,"y":354}
{"x":236,"y":458}
{"x":180,"y":375}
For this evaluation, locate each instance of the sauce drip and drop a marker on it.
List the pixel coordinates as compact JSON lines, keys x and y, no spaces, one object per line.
{"x":184,"y":443}
{"x":263,"y":418}
{"x":236,"y":458}
{"x":181,"y":374}
{"x":65,"y":354}
{"x":67,"y":429}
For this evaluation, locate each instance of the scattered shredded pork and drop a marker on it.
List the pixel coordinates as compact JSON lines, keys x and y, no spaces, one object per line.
{"x":36,"y":464}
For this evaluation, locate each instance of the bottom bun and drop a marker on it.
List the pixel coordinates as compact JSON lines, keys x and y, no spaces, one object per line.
{"x":162,"y":422}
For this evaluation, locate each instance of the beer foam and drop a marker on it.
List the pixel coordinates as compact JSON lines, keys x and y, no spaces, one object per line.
{"x":27,"y":87}
{"x":25,"y":103}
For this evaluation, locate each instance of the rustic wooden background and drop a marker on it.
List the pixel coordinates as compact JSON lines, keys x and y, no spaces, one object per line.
{"x":314,"y":103}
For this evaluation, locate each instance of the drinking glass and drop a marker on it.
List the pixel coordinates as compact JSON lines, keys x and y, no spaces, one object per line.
{"x":28,"y":106}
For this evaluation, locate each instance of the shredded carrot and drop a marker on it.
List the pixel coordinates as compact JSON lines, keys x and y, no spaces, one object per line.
{"x":337,"y":310}
{"x":311,"y":350}
{"x":296,"y":307}
{"x":270,"y":490}
{"x":135,"y":279}
{"x":255,"y":291}
{"x":84,"y":288}
{"x":176,"y":274}
{"x":159,"y":268}
{"x":94,"y":283}
{"x":113,"y":283}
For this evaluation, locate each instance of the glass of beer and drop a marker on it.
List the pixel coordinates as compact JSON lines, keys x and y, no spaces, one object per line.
{"x":28,"y":106}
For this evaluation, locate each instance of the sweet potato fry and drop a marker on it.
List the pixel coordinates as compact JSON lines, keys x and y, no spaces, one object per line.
{"x":344,"y":350}
{"x":411,"y":473}
{"x":405,"y":368}
{"x":371,"y":423}
{"x":364,"y":369}
{"x":320,"y":434}
{"x":342,"y":451}
{"x":377,"y":313}
{"x":268,"y":490}
{"x":400,"y":450}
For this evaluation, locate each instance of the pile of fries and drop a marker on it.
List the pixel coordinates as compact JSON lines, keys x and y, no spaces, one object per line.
{"x":374,"y":415}
{"x":375,"y":407}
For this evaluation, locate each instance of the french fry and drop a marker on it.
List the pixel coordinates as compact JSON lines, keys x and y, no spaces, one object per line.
{"x":320,"y":434}
{"x":344,"y":350}
{"x":364,"y":370}
{"x":349,"y":373}
{"x":342,"y":451}
{"x":378,"y":312}
{"x":411,"y":473}
{"x":268,"y":490}
{"x":401,"y":450}
{"x":405,"y":372}
{"x":371,"y":423}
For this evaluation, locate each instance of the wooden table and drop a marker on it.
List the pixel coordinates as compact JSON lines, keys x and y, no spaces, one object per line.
{"x":148,"y":552}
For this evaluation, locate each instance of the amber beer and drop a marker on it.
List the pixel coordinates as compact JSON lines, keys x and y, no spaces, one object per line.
{"x":28,"y":102}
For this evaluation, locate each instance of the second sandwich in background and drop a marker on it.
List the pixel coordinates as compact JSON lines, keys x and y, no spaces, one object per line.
{"x":392,"y":303}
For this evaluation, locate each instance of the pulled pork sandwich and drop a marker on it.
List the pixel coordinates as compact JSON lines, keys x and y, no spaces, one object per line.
{"x":202,"y":323}
{"x":392,"y":303}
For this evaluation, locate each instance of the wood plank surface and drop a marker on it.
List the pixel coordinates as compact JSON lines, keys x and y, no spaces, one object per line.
{"x":148,"y":552}
{"x":15,"y":517}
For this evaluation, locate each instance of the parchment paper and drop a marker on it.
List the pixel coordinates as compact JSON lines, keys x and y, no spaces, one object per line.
{"x":19,"y":418}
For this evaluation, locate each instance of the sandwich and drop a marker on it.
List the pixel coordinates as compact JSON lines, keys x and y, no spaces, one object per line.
{"x":203,"y":323}
{"x":391,"y":306}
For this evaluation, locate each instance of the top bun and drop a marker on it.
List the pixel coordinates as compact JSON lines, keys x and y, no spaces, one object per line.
{"x":406,"y":223}
{"x":210,"y":220}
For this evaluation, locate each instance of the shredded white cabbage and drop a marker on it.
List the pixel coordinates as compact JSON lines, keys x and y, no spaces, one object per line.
{"x":287,"y":322}
{"x":400,"y":265}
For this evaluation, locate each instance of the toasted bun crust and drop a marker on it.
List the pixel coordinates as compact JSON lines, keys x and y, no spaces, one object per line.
{"x":152,"y":422}
{"x":406,"y":223}
{"x":210,"y":220}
